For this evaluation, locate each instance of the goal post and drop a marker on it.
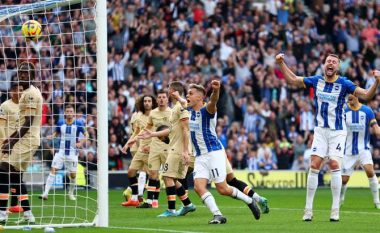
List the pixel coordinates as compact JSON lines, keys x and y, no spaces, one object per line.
{"x":72,"y":49}
{"x":101,"y":35}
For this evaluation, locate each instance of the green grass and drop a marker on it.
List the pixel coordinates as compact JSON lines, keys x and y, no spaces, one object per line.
{"x":357,"y":215}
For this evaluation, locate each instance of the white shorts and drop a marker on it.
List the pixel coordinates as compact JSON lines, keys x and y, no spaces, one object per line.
{"x":70,"y":162}
{"x":211,"y":166}
{"x":328,"y":143}
{"x":350,"y":162}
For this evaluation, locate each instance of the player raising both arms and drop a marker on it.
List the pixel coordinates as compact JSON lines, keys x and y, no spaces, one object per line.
{"x":210,"y":161}
{"x":69,"y":131}
{"x":22,"y":144}
{"x":140,"y":159}
{"x":360,"y":120}
{"x":330,"y":132}
{"x":9,"y":123}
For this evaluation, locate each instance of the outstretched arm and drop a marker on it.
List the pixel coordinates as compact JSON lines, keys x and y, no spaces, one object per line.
{"x":290,"y":77}
{"x":211,"y":105}
{"x":376,"y":130}
{"x":368,"y":94}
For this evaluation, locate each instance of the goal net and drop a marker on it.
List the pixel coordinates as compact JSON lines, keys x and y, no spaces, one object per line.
{"x":65,"y":62}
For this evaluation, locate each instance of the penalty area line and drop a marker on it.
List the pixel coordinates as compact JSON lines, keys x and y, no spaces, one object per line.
{"x":153,"y":229}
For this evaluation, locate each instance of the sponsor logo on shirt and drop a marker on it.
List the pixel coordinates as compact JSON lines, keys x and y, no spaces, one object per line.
{"x":327,"y":97}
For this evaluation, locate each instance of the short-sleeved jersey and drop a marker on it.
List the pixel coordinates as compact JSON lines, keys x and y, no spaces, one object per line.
{"x":10,"y":114}
{"x":358,"y":124}
{"x":176,"y":135}
{"x":329,"y":100}
{"x":141,"y":122}
{"x":156,"y":119}
{"x":202,"y":130}
{"x":133,"y":127}
{"x":69,"y":136}
{"x":31,"y":105}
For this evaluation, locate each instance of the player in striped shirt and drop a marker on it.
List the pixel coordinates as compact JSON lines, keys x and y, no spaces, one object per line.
{"x":210,"y":161}
{"x":70,"y":132}
{"x":360,"y":121}
{"x":330,"y":133}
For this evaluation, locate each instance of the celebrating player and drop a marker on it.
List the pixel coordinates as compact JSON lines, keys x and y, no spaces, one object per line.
{"x":140,"y":159}
{"x":22,"y":144}
{"x":69,"y":131}
{"x":176,"y":165}
{"x":360,"y":120}
{"x":158,"y":117}
{"x":9,"y":118}
{"x":330,"y":132}
{"x":210,"y":161}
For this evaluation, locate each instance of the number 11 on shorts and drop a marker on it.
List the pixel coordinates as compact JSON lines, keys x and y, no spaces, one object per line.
{"x":215,"y":172}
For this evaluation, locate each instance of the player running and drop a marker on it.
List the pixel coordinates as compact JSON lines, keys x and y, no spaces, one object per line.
{"x":210,"y":161}
{"x":360,"y":120}
{"x":330,"y":132}
{"x":70,"y":132}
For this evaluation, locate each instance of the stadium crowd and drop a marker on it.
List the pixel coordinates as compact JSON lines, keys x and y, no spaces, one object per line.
{"x":263,"y":123}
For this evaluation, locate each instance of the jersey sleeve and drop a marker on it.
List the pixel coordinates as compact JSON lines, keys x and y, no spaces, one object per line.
{"x":28,"y":104}
{"x":350,"y":86}
{"x":311,"y":81}
{"x":183,"y":113}
{"x":80,"y":129}
{"x":371,"y":119}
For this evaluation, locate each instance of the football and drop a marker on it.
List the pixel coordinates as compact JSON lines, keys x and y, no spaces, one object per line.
{"x":31,"y":29}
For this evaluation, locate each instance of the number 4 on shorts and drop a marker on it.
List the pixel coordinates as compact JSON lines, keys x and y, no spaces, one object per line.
{"x":338,"y":147}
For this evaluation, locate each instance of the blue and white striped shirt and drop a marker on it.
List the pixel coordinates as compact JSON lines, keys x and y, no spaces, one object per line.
{"x":202,"y":130}
{"x":329,"y":100}
{"x":358,"y":124}
{"x":69,"y":136}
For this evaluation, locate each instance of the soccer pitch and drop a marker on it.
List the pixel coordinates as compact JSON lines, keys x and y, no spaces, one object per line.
{"x":357,"y":215}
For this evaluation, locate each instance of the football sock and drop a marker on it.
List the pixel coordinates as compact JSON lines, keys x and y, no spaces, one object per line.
{"x":151,"y":190}
{"x":181,"y":193}
{"x":241,"y":196}
{"x":343,"y":192}
{"x":209,"y":201}
{"x":336,"y":185}
{"x":72,"y":185}
{"x":49,"y":183}
{"x":14,"y":197}
{"x":141,"y":183}
{"x":170,"y":192}
{"x":373,"y":184}
{"x":312,"y":184}
{"x":133,"y":185}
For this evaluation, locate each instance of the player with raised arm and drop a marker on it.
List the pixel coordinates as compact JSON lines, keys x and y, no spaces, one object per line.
{"x":210,"y":161}
{"x":360,"y":121}
{"x":158,"y":118}
{"x":70,"y":130}
{"x":140,"y":159}
{"x":22,"y":144}
{"x":177,"y":162}
{"x":330,"y":131}
{"x":9,"y":123}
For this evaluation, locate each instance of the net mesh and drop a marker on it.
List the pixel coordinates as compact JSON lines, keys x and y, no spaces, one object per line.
{"x":65,"y":62}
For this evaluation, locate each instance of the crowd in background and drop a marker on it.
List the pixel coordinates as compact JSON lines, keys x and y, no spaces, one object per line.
{"x":262,"y":122}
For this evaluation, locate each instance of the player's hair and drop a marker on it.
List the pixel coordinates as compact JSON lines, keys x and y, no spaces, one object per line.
{"x":332,"y":55}
{"x":69,"y":106}
{"x":178,"y":86}
{"x":162,"y":91}
{"x":141,"y":103}
{"x":199,"y":88}
{"x":28,"y":67}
